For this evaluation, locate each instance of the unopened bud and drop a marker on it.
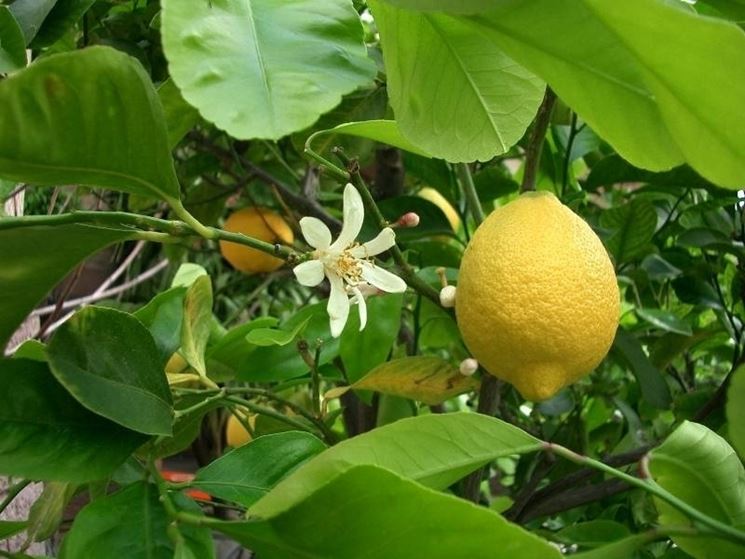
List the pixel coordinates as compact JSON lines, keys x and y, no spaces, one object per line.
{"x":468,"y":366}
{"x":447,"y":296}
{"x":409,"y":219}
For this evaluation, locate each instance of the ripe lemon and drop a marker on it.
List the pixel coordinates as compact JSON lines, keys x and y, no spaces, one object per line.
{"x":432,"y":195}
{"x":236,"y":434}
{"x":537,"y":299}
{"x":261,"y":224}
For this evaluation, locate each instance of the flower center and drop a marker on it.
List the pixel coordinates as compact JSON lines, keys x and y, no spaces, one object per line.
{"x":348,"y":267}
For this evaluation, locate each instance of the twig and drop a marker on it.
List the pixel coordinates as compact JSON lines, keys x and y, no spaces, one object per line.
{"x":472,"y":197}
{"x":535,"y":145}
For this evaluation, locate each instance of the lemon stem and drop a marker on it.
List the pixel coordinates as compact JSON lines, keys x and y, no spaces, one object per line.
{"x":469,"y":189}
{"x":535,"y":145}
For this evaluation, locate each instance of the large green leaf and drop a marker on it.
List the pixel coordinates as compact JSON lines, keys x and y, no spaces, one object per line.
{"x":699,"y":467}
{"x":685,"y":108}
{"x":436,"y":450}
{"x":36,"y":258}
{"x":30,"y":15}
{"x":373,"y":512}
{"x":45,"y":434}
{"x":455,"y":93}
{"x":12,"y":45}
{"x":261,"y":68}
{"x":454,"y":6}
{"x":131,"y":523}
{"x":736,"y":410}
{"x":246,"y":474}
{"x":651,"y":382}
{"x":109,"y":361}
{"x":87,"y":117}
{"x":180,"y":116}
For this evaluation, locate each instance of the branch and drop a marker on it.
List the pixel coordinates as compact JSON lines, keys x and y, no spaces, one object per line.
{"x":535,"y":145}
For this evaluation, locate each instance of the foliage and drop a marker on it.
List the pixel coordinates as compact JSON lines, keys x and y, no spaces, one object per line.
{"x":134,"y":128}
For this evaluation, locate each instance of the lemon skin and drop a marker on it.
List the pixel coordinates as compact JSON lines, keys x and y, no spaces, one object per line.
{"x":261,"y":224}
{"x":537,"y":300}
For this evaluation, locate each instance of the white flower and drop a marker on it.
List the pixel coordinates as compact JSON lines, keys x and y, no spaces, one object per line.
{"x":346,"y":263}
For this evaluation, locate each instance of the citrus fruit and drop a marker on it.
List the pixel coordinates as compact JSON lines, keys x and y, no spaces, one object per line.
{"x":432,"y":195}
{"x":261,"y":224}
{"x":235,"y":433}
{"x":537,"y":300}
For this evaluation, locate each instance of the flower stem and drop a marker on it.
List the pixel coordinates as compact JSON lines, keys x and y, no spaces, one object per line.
{"x":472,"y":197}
{"x":535,"y":145}
{"x":336,"y":171}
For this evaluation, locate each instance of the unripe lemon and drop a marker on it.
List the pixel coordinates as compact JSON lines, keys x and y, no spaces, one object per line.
{"x":432,"y":195}
{"x":261,"y":224}
{"x":236,"y":434}
{"x":537,"y":300}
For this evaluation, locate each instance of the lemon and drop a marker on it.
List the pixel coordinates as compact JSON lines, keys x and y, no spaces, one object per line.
{"x":235,"y":433}
{"x":432,"y":195}
{"x":261,"y":224}
{"x":537,"y":300}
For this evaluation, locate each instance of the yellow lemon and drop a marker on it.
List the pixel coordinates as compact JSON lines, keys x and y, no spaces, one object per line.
{"x":432,"y":195}
{"x":235,"y":433}
{"x":261,"y":224}
{"x":537,"y":299}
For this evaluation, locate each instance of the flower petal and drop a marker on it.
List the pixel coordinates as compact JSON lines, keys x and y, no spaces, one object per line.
{"x":354,"y":213}
{"x":309,"y":273}
{"x":362,"y":307}
{"x":385,"y":240}
{"x":338,"y":305}
{"x":382,"y":279}
{"x":315,"y":232}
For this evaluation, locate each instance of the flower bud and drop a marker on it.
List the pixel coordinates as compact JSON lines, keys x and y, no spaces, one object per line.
{"x":409,"y":219}
{"x":447,"y":296}
{"x":468,"y":366}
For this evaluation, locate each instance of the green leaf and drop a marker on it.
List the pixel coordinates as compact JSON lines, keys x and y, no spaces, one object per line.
{"x":131,"y":523}
{"x":699,"y":467}
{"x":632,"y":226}
{"x":180,"y":116}
{"x":651,"y":382}
{"x":264,"y":337}
{"x":11,"y":528}
{"x":383,"y":131}
{"x":455,"y":93}
{"x":69,"y":442}
{"x":621,"y":549}
{"x":262,"y":69}
{"x":361,"y":351}
{"x":108,"y":360}
{"x":30,"y":15}
{"x":371,"y":509}
{"x":195,"y":327}
{"x":246,"y":474}
{"x":61,"y":18}
{"x":226,"y":356}
{"x":435,"y":450}
{"x":277,"y":363}
{"x":736,"y":410}
{"x":163,"y":316}
{"x":686,"y":108}
{"x":186,"y":427}
{"x":36,"y":258}
{"x":47,"y":512}
{"x":613,"y":169}
{"x":428,"y":379}
{"x":665,"y":320}
{"x":12,"y":43}
{"x":88,"y":117}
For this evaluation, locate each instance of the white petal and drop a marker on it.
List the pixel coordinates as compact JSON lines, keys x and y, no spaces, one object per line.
{"x":315,"y":232}
{"x":354,"y":213}
{"x":309,"y":273}
{"x":362,"y":307}
{"x":385,"y":240}
{"x":338,"y":305}
{"x":382,"y":279}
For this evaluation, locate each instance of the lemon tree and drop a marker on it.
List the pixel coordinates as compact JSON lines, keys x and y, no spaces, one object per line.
{"x":390,"y":278}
